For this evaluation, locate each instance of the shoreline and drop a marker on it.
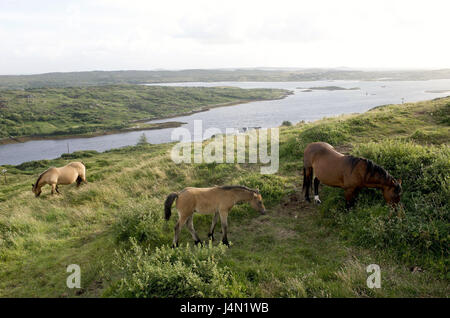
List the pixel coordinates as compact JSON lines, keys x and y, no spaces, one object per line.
{"x":22,"y":139}
{"x":207,"y":108}
{"x":169,"y":124}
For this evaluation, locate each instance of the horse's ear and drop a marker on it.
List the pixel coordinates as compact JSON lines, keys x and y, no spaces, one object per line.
{"x":257,"y":190}
{"x":32,"y":184}
{"x":399,"y":181}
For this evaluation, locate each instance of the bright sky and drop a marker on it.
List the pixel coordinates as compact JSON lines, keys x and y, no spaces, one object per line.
{"x":59,"y":36}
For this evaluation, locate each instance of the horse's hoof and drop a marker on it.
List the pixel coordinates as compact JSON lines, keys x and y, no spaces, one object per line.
{"x":225,"y":242}
{"x":174,"y":245}
{"x":308,"y":200}
{"x":211,"y":236}
{"x":198,"y":242}
{"x":317,"y":201}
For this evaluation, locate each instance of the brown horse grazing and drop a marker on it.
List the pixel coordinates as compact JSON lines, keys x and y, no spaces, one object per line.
{"x":216,"y":200}
{"x":350,"y":173}
{"x":74,"y":171}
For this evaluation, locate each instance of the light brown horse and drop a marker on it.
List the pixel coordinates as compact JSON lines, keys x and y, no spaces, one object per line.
{"x":74,"y":171}
{"x":350,"y":173}
{"x":216,"y":200}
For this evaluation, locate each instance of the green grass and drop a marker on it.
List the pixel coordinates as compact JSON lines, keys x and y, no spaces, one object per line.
{"x":96,"y":109}
{"x":113,"y":227}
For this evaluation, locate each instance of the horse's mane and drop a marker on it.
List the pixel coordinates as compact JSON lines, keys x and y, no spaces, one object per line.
{"x":233,"y":187}
{"x":371,"y":168}
{"x":39,"y":178}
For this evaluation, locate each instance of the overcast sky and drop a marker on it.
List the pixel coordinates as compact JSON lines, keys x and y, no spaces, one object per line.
{"x":59,"y":36}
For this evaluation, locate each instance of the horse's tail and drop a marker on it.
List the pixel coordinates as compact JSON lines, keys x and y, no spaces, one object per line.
{"x":82,"y":174}
{"x":168,"y":205}
{"x":307,"y":179}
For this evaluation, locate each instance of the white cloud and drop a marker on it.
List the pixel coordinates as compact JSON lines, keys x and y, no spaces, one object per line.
{"x":127,"y":34}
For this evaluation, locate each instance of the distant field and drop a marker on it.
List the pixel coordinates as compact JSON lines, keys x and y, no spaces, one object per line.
{"x":242,"y":75}
{"x":98,"y":109}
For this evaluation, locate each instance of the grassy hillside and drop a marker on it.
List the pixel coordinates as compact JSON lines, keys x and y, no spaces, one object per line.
{"x":114,"y":228}
{"x":203,"y":75}
{"x":91,"y":110}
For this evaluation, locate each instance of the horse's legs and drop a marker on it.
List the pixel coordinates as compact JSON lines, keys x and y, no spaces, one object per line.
{"x":178,"y":226}
{"x":53,"y":188}
{"x":190,"y":225}
{"x":213,"y":225}
{"x":57,"y":190}
{"x":350,"y":194}
{"x":316,"y":191}
{"x":307,"y":178}
{"x":224,"y":224}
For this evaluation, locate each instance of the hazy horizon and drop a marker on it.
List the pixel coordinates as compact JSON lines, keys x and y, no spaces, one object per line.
{"x":343,"y":68}
{"x":113,"y":35}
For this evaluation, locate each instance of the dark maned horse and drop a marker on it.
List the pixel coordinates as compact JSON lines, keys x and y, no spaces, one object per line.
{"x":215,"y":200}
{"x":350,"y":173}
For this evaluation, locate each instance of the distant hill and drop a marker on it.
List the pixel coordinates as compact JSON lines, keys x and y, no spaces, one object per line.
{"x":211,"y":75}
{"x":56,"y":112}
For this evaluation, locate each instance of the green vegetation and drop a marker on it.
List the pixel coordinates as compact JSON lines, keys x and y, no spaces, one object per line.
{"x":142,"y":140}
{"x":114,"y":229}
{"x":166,"y":272}
{"x":94,"y":110}
{"x":198,"y":75}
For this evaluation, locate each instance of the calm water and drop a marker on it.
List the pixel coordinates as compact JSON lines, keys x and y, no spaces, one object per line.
{"x":300,"y":106}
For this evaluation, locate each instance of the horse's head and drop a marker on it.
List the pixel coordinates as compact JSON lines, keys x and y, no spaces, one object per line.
{"x":37,"y":191}
{"x":393,"y":192}
{"x":257,"y":203}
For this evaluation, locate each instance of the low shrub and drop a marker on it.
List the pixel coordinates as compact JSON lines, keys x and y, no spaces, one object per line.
{"x":182,"y":272}
{"x":294,"y":146}
{"x":271,"y":187}
{"x":144,"y":224}
{"x":79,"y":154}
{"x":334,"y":134}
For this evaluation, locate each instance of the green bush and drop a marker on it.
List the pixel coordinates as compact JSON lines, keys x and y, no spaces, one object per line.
{"x":271,"y":187}
{"x":293,"y":147}
{"x":424,"y":170}
{"x":32,"y":165}
{"x":444,"y":114}
{"x":334,"y":134}
{"x":182,"y":272}
{"x":144,"y":224}
{"x":79,"y":154}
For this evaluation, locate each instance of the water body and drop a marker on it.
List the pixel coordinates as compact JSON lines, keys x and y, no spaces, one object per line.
{"x":300,"y":106}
